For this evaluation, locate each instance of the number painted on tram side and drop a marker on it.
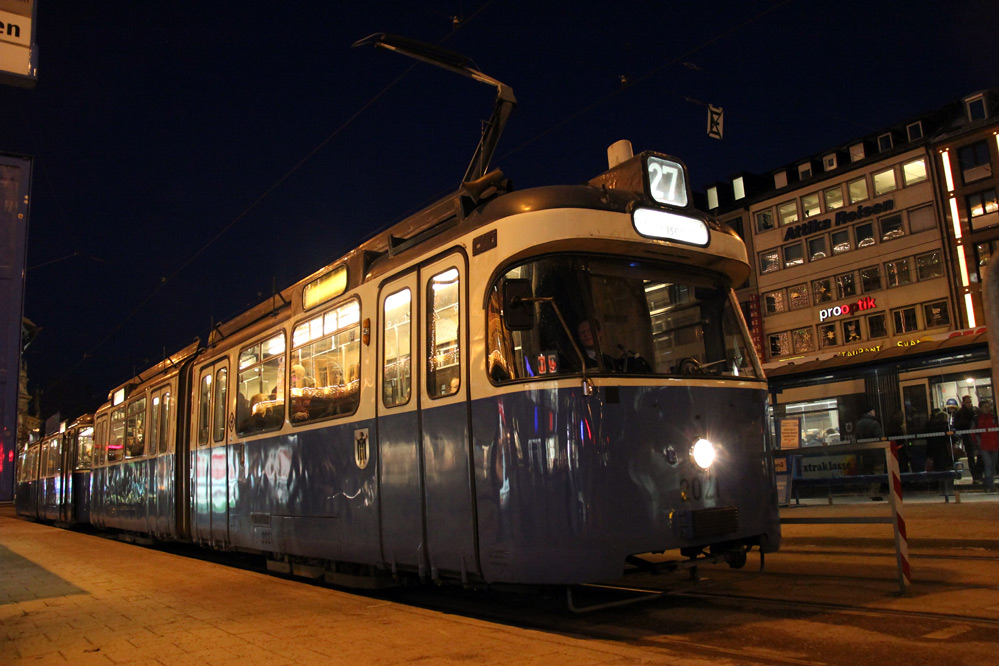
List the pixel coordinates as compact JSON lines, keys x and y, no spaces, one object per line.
{"x":697,"y":489}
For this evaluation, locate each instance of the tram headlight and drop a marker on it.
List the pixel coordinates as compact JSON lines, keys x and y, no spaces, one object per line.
{"x":703,"y":453}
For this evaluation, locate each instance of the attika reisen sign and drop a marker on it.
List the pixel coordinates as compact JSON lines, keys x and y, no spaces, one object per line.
{"x":842,"y":217}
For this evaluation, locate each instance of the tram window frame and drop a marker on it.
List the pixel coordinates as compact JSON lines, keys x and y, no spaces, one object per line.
{"x":116,"y":440}
{"x":397,"y":369}
{"x":335,"y":332}
{"x":204,"y":407}
{"x":135,"y":431}
{"x":269,"y":353}
{"x":166,"y":413}
{"x":220,"y":404}
{"x":85,"y":453}
{"x":437,"y":354}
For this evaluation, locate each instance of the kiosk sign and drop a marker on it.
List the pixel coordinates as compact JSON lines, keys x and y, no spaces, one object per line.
{"x":17,"y":43}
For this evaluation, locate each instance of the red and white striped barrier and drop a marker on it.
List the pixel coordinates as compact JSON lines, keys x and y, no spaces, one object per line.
{"x":898,"y":519}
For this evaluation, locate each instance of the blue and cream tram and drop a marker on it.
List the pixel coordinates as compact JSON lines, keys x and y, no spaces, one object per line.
{"x":530,"y":387}
{"x":53,"y":478}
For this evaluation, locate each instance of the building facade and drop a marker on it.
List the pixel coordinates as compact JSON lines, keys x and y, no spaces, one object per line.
{"x":868,"y":259}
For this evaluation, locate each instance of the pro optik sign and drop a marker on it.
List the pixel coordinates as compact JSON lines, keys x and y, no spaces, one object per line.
{"x":17,"y":43}
{"x":866,"y":303}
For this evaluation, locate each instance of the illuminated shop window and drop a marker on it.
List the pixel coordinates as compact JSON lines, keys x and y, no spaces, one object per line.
{"x":905,"y":320}
{"x":884,"y":182}
{"x":922,"y":219}
{"x":846,"y":285}
{"x":841,"y":241}
{"x":810,"y":204}
{"x":817,"y":248}
{"x":780,"y":344}
{"x":877,"y":325}
{"x":935,"y":314}
{"x":851,"y":331}
{"x":891,"y":227}
{"x":774,"y":302}
{"x":834,"y":197}
{"x":870,"y":279}
{"x":929,"y":265}
{"x":769,"y":262}
{"x":803,"y":340}
{"x":858,"y":190}
{"x":914,"y":172}
{"x":788,"y":213}
{"x":828,"y":336}
{"x":822,"y":290}
{"x":765,"y":220}
{"x":797,"y":297}
{"x":865,"y":234}
{"x":793,"y":255}
{"x":898,"y":273}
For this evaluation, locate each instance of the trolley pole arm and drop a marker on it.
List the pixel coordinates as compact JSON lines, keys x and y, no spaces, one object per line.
{"x":459,"y":64}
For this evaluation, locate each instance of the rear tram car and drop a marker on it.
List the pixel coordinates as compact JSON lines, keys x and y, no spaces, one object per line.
{"x":530,"y":387}
{"x":53,"y":475}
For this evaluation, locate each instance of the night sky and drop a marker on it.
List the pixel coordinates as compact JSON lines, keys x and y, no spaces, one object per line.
{"x":190,"y":156}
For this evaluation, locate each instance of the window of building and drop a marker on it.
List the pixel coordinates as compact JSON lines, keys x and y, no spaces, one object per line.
{"x":817,"y":248}
{"x":974,"y":161}
{"x":857,"y":190}
{"x":780,"y":344}
{"x":797,"y":297}
{"x":929,"y":265}
{"x":846,"y":285}
{"x":884,"y":182}
{"x":712,"y":197}
{"x":914,"y":171}
{"x":397,"y":335}
{"x":780,"y":179}
{"x":810,"y":204}
{"x":325,"y":362}
{"x":443,"y":317}
{"x":739,"y":188}
{"x":830,"y":162}
{"x":891,"y":227}
{"x":877,"y":326}
{"x":865,"y":234}
{"x":769,"y":261}
{"x":935,"y":314}
{"x":803,"y":340}
{"x":774,"y":302}
{"x":804,"y":170}
{"x":884,"y":142}
{"x":982,"y":203}
{"x":870,"y":279}
{"x":822,"y":290}
{"x":793,"y":255}
{"x":788,"y":213}
{"x":765,"y":220}
{"x":898,"y":273}
{"x":834,"y":197}
{"x":904,"y":320}
{"x":737,"y":227}
{"x":857,"y":152}
{"x":828,"y":336}
{"x":841,"y":241}
{"x":851,"y":331}
{"x":975,"y":106}
{"x":922,"y":219}
{"x":260,"y":403}
{"x":914,"y":131}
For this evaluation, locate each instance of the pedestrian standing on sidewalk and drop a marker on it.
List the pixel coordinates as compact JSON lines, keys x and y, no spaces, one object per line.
{"x":988,"y":444}
{"x":868,"y":427}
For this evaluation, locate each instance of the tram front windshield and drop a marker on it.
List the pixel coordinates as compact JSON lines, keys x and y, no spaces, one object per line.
{"x":623,"y":316}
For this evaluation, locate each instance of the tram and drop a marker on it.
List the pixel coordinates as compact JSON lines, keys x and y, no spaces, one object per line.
{"x":526,"y":387}
{"x":53,"y":475}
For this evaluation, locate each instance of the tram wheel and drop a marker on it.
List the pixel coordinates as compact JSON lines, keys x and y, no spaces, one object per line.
{"x":737,"y":560}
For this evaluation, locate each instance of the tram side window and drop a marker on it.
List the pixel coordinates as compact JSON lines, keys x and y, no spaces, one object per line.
{"x":135,"y":429}
{"x":85,"y":448}
{"x":443,"y":364}
{"x":50,"y":457}
{"x":325,"y":361}
{"x":204,"y":410}
{"x":154,"y":425}
{"x":397,"y":337}
{"x":116,"y":447}
{"x":101,"y":443}
{"x":260,"y":397}
{"x":165,"y":410}
{"x":218,"y":423}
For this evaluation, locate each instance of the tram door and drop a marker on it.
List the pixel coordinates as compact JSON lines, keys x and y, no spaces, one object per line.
{"x":210,"y":469}
{"x":423,"y":432}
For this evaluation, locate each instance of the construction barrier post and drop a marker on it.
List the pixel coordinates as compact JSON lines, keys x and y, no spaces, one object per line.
{"x":898,"y":519}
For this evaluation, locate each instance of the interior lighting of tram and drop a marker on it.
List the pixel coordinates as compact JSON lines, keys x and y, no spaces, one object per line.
{"x":703,"y":453}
